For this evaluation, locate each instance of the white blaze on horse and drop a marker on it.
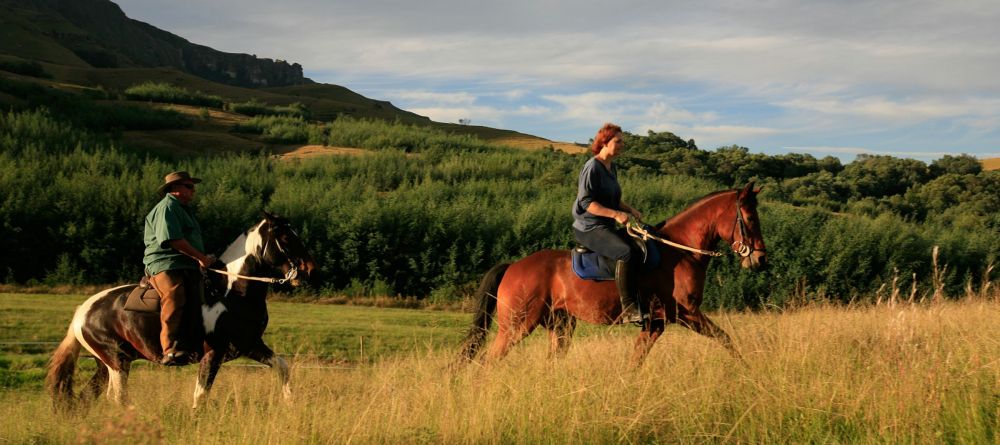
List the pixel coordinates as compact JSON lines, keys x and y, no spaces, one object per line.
{"x":234,"y":314}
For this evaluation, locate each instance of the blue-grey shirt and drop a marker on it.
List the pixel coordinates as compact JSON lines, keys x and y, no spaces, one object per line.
{"x":599,"y":184}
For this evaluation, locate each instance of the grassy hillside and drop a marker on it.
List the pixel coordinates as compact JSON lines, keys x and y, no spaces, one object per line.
{"x":20,"y":35}
{"x":324,"y":102}
{"x":72,"y":40}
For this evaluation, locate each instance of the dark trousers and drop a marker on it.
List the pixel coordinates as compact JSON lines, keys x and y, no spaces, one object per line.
{"x":605,"y":241}
{"x":181,"y":295}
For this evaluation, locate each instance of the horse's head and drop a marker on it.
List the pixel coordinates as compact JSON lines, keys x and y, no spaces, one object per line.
{"x":746,"y":238}
{"x":284,"y":249}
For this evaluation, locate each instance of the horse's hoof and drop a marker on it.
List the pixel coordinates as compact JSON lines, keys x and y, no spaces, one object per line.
{"x":177,"y":358}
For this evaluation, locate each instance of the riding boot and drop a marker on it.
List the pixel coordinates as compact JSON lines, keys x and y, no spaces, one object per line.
{"x":628,"y":292}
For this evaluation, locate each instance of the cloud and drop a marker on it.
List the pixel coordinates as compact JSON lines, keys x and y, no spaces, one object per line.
{"x":781,"y":73}
{"x":435,"y":97}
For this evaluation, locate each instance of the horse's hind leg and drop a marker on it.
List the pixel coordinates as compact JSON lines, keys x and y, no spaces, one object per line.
{"x":511,"y":328}
{"x":265,"y":355}
{"x":561,"y":326}
{"x":98,"y":382}
{"x":207,"y":370}
{"x":697,"y":321}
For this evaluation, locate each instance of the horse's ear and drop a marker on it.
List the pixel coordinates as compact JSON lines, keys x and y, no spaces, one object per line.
{"x":747,"y":191}
{"x":267,"y":215}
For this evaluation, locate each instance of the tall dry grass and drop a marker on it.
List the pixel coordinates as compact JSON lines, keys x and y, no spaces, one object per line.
{"x":886,"y":374}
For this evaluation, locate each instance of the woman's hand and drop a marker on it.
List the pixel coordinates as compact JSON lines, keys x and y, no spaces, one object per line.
{"x":621,"y":217}
{"x":631,"y":210}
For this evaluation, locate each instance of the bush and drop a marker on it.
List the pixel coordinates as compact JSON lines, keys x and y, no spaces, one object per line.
{"x":25,"y":67}
{"x":167,"y":93}
{"x":255,"y":107}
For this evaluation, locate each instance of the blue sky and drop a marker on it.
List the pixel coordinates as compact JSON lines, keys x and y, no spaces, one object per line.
{"x":917,"y":79}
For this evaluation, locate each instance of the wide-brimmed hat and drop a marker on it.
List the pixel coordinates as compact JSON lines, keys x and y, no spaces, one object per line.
{"x":175,"y":177}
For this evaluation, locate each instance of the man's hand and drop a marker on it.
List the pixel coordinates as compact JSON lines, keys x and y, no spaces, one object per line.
{"x":207,"y":261}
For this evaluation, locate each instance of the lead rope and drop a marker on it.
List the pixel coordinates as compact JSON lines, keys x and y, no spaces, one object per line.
{"x":635,"y":229}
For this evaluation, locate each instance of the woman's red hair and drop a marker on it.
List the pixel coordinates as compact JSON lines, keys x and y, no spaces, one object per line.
{"x":604,"y":135}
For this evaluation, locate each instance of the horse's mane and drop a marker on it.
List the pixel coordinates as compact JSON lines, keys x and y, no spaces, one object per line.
{"x":695,"y":205}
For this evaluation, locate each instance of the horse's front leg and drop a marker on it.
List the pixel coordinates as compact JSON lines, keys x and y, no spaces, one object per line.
{"x":207,"y":370}
{"x":651,"y":331}
{"x":697,"y":321}
{"x":265,"y":355}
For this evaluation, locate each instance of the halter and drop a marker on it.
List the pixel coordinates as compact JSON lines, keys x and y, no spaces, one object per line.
{"x":635,"y":228}
{"x":292,"y":273}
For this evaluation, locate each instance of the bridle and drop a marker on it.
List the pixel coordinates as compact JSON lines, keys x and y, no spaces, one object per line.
{"x":740,"y":247}
{"x":293,"y":271}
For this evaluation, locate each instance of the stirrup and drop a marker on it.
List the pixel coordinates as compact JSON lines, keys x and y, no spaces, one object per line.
{"x":634,"y":316}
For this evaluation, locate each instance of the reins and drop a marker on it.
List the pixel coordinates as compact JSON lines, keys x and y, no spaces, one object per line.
{"x":635,"y":228}
{"x":292,"y":273}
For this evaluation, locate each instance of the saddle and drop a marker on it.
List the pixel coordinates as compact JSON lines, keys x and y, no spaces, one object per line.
{"x":590,"y":265}
{"x":143,"y":298}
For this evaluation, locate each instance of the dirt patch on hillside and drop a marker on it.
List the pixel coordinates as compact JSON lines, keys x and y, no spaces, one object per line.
{"x":312,"y":151}
{"x":535,"y":143}
{"x":991,"y":164}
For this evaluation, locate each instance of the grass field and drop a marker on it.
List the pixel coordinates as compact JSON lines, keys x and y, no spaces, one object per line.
{"x":904,"y":374}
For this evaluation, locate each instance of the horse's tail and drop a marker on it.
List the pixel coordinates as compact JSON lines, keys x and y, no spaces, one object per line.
{"x":59,"y":380}
{"x":486,"y":302}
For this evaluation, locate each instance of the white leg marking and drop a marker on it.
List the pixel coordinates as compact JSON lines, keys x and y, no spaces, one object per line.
{"x":284,"y":374}
{"x":199,"y":392}
{"x":117,"y":388}
{"x":80,"y":317}
{"x":210,"y":315}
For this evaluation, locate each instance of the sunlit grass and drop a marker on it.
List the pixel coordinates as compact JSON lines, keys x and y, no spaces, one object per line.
{"x":903,"y":374}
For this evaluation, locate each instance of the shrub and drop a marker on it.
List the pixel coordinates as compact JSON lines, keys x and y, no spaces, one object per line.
{"x":167,"y":93}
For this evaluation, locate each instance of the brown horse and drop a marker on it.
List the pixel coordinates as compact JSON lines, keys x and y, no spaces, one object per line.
{"x":542,"y":289}
{"x":234,"y":316}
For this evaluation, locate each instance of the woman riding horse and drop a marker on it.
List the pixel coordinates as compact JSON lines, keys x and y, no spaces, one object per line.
{"x":597,"y":207}
{"x":543,"y":290}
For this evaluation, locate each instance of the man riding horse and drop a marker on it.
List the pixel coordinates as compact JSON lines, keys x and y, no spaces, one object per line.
{"x":173,"y":255}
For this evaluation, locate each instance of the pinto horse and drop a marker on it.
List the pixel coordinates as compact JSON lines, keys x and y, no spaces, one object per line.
{"x":542,"y":289}
{"x":234,"y":314}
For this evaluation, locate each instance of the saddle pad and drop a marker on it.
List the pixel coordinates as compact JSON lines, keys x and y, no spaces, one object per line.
{"x":143,"y":298}
{"x":592,"y":266}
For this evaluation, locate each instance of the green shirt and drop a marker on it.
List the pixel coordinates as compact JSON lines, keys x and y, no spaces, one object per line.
{"x":170,"y":220}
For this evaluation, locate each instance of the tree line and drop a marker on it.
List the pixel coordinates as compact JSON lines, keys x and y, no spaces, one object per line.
{"x":427,"y":212}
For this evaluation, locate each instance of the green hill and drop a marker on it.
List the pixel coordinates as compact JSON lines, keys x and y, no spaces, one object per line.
{"x":90,"y":45}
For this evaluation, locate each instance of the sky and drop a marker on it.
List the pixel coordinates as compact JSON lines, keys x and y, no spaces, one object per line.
{"x":917,"y":79}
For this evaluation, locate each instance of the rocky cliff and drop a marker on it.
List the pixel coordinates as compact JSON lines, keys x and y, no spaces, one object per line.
{"x":99,"y":33}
